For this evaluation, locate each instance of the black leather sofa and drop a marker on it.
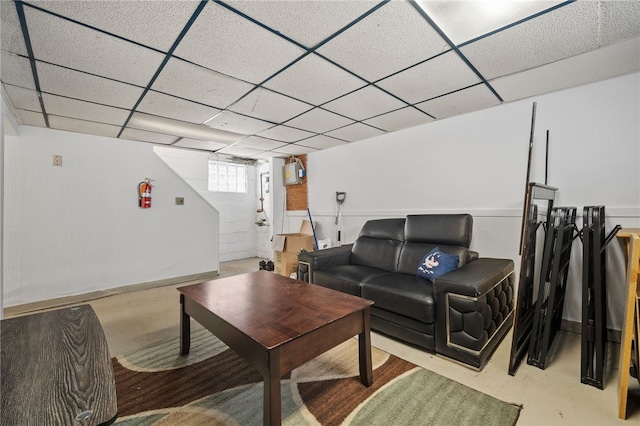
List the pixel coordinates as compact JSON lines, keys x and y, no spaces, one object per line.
{"x":463,"y":314}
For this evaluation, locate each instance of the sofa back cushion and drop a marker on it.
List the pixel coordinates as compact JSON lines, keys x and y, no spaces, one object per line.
{"x":445,"y":229}
{"x":379,"y":244}
{"x":422,"y":233}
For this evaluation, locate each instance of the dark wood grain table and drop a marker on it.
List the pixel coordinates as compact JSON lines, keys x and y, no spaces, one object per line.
{"x":276,"y":324}
{"x":56,"y":370}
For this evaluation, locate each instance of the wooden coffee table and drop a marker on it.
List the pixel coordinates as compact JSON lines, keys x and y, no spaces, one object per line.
{"x":276,"y":324}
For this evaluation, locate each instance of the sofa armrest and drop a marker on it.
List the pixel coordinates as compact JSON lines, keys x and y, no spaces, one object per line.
{"x":474,"y":309}
{"x":322,"y":259}
{"x":474,"y":278}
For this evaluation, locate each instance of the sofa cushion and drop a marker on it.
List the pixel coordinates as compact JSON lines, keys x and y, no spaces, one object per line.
{"x":402,"y":321}
{"x":379,"y":244}
{"x":436,"y":263}
{"x":439,"y":229}
{"x":345,"y":278}
{"x":406,"y":294}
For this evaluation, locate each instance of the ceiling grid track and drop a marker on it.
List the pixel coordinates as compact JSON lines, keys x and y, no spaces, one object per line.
{"x":455,"y":48}
{"x":271,"y":79}
{"x":201,"y":6}
{"x":32,"y":60}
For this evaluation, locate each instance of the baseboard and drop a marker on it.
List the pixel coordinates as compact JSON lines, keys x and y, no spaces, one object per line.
{"x":576,"y":327}
{"x":79,"y":298}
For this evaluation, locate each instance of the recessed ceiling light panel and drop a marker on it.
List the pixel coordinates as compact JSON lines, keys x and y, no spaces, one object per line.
{"x":465,"y":20}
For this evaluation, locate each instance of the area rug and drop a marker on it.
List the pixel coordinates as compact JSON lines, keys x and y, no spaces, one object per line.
{"x":214,"y":386}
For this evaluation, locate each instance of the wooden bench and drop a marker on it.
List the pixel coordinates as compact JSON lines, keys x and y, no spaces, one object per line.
{"x":56,"y":370}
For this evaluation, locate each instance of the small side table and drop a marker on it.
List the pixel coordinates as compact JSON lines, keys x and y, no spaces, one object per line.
{"x":631,"y":323}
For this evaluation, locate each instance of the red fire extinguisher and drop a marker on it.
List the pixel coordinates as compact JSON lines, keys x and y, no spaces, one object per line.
{"x":144,"y":193}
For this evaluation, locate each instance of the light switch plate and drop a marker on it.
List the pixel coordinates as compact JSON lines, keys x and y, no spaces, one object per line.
{"x":57,"y":160}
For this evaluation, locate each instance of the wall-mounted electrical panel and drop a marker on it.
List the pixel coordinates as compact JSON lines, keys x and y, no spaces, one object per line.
{"x":293,"y":173}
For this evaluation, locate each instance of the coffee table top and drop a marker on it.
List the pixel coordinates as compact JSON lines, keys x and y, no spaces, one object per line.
{"x":270,"y":308}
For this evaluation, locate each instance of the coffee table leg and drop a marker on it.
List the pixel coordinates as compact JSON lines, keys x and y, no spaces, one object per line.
{"x":364,"y":351}
{"x":272,"y":396}
{"x":185,"y":329}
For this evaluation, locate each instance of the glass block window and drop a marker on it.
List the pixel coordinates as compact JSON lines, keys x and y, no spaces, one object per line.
{"x":227,"y":177}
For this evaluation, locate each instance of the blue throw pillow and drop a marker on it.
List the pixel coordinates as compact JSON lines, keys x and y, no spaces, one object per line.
{"x":436,"y":263}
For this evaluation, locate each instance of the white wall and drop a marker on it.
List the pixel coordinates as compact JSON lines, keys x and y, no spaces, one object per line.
{"x":238,"y":232}
{"x":240,"y":237}
{"x":77,"y":228}
{"x":477,"y":163}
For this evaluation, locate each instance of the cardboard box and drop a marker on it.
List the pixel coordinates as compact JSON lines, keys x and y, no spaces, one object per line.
{"x":294,"y":243}
{"x":287,"y":246}
{"x":285,"y":263}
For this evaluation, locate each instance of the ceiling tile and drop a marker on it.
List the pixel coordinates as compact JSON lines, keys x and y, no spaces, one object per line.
{"x":266,"y":155}
{"x":257,"y":142}
{"x":314,"y":80}
{"x":23,"y":98}
{"x":233,"y":122}
{"x":364,"y":103}
{"x":189,"y":81}
{"x":435,"y":77}
{"x":179,"y":109}
{"x":73,"y":108}
{"x":315,"y":20}
{"x":319,"y":121}
{"x":11,"y":38}
{"x":268,"y":105}
{"x":16,"y":70}
{"x":62,"y":42}
{"x":145,"y":136}
{"x":233,"y":45}
{"x":239,"y":151}
{"x":134,"y":20}
{"x":294,"y":149}
{"x":606,"y":62}
{"x":285,"y":134}
{"x":226,"y":42}
{"x":83,"y":126}
{"x":465,"y":20}
{"x":400,"y":119}
{"x":355,"y":132}
{"x":565,"y":32}
{"x":196,"y":144}
{"x":392,"y":38}
{"x":75,"y":84}
{"x":31,"y":118}
{"x":321,"y":142}
{"x":619,"y":20}
{"x":461,"y":102}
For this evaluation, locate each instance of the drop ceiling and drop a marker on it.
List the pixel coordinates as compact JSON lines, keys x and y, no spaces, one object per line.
{"x":297,"y":76}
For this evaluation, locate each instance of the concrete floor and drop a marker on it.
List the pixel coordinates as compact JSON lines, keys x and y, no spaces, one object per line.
{"x":553,"y":396}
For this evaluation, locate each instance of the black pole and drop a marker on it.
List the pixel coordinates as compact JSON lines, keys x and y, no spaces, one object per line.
{"x":546,"y":160}
{"x":527,"y":200}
